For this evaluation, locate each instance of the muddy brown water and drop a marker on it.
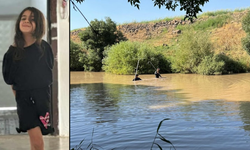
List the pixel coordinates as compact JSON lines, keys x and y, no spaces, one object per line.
{"x":205,"y":112}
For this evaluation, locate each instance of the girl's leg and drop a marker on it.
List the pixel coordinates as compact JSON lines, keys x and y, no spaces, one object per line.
{"x":36,"y":139}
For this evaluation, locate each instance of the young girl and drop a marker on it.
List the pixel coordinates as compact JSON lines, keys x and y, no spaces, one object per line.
{"x":27,"y":67}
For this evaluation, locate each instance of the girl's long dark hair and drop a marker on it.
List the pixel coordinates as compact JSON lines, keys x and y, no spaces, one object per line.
{"x":39,"y":32}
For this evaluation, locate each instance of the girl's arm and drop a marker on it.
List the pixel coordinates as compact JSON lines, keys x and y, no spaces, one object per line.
{"x":14,"y":92}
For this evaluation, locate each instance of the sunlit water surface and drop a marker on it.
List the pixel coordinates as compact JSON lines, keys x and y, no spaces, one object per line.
{"x":205,"y":112}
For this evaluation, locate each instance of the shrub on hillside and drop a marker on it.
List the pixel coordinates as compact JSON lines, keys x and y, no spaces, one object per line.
{"x":210,"y":23}
{"x":246,"y":23}
{"x":215,"y":22}
{"x":231,"y":65}
{"x":246,"y":43}
{"x":193,"y":47}
{"x":122,"y":58}
{"x":210,"y":65}
{"x":246,"y":27}
{"x":75,"y":54}
{"x":91,"y":61}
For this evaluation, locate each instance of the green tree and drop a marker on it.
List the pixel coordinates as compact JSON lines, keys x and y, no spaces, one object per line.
{"x":91,"y":61}
{"x":246,"y":27}
{"x":75,"y":55}
{"x":192,"y":7}
{"x":96,"y":37}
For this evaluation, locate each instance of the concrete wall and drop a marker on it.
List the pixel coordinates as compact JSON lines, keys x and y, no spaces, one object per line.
{"x":63,"y":67}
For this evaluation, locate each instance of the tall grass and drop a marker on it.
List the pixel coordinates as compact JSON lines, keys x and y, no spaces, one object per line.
{"x":158,"y":135}
{"x":241,"y":9}
{"x":208,"y":24}
{"x":166,"y":19}
{"x":215,"y":13}
{"x":91,"y":145}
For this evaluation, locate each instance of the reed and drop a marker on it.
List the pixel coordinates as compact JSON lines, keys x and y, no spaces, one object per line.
{"x":92,"y":146}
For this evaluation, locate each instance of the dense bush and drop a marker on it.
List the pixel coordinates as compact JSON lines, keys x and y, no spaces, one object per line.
{"x":246,"y":43}
{"x":246,"y":27}
{"x":122,"y":58}
{"x":193,"y":47}
{"x":91,"y":61}
{"x":211,"y":64}
{"x":231,"y":65}
{"x":75,"y":55}
{"x":246,"y":23}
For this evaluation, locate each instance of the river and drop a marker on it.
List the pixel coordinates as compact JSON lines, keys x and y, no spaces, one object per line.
{"x":205,"y":112}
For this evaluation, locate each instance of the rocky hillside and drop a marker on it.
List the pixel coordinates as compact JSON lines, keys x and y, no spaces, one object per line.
{"x":226,"y":38}
{"x":145,"y":31}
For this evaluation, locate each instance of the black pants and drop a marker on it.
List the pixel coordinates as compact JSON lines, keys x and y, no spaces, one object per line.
{"x":33,"y":109}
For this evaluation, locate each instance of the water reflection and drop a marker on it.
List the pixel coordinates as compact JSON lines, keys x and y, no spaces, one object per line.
{"x":127,"y":113}
{"x":195,"y":87}
{"x":245,"y":114}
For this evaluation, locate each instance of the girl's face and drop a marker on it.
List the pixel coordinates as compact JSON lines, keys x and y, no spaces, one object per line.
{"x":27,"y":24}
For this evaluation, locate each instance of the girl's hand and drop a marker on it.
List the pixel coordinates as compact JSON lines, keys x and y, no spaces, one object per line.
{"x":14,"y":92}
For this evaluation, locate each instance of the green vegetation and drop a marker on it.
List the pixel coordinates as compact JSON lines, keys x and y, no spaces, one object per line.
{"x":95,"y":39}
{"x":246,"y":28}
{"x":92,"y":146}
{"x":210,"y":23}
{"x":122,"y":58}
{"x":216,"y":13}
{"x":210,"y":64}
{"x":209,"y":46}
{"x":75,"y":55}
{"x":194,"y":54}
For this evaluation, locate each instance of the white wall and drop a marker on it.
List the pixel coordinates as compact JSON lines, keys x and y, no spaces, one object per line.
{"x":63,"y":69}
{"x":9,"y":11}
{"x":13,"y":7}
{"x":42,"y":6}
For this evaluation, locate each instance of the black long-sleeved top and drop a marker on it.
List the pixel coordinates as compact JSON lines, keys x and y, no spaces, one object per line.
{"x":32,"y":71}
{"x":157,"y":74}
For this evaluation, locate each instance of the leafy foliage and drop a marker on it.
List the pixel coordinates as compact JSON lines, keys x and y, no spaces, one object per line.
{"x":122,"y":58}
{"x":192,"y":7}
{"x":246,"y":43}
{"x":75,"y":55}
{"x":96,"y":38}
{"x":91,"y":61}
{"x":246,"y":27}
{"x":192,"y":49}
{"x":231,"y":65}
{"x":210,"y":65}
{"x":246,"y":23}
{"x":195,"y":55}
